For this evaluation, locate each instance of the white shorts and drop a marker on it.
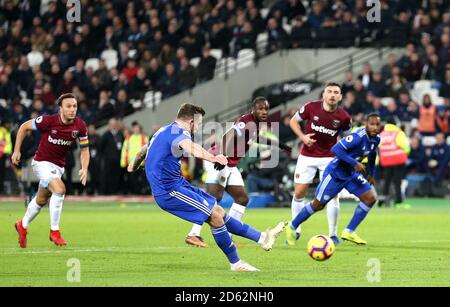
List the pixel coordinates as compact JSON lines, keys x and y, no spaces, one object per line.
{"x":226,"y":177}
{"x":307,"y":167}
{"x":46,"y":172}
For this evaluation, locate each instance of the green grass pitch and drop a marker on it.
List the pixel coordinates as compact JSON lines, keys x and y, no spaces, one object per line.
{"x":140,"y":245}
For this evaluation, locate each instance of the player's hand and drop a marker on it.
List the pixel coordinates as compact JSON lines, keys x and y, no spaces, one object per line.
{"x":83,"y":176}
{"x":371,"y":179}
{"x":15,"y":159}
{"x":220,"y":161}
{"x":285,"y":147}
{"x":308,"y":140}
{"x":130,"y":168}
{"x":359,"y":167}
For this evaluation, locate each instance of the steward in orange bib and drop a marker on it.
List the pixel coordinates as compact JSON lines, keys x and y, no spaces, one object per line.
{"x":393,"y":151}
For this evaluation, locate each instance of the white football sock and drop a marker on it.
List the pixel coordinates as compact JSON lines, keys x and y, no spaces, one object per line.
{"x":55,"y":206}
{"x":333,"y":208}
{"x":297,"y":205}
{"x":195,"y":231}
{"x":262,"y":238}
{"x":33,"y":210}
{"x":237,"y":211}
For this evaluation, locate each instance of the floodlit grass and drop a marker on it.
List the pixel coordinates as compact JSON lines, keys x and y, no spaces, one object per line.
{"x":140,"y":245}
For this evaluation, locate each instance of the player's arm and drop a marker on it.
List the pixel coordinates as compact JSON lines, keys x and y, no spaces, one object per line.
{"x":340,"y":150}
{"x":297,"y":128}
{"x":21,"y":135}
{"x":347,"y":128}
{"x":132,"y":167}
{"x":84,"y":158}
{"x":199,"y":152}
{"x":402,"y":141}
{"x":269,"y":140}
{"x":84,"y":155}
{"x":371,"y":165}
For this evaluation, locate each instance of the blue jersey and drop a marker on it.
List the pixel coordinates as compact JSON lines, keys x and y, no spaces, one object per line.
{"x":351,"y":150}
{"x":162,"y":164}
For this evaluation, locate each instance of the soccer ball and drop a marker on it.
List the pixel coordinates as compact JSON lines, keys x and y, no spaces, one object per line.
{"x":320,"y":247}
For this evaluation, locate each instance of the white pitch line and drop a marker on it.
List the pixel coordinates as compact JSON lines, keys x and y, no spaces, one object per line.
{"x":419,"y":241}
{"x":14,"y":251}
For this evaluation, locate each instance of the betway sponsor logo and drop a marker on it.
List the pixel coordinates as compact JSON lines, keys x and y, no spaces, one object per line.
{"x":59,"y":141}
{"x":322,"y":129}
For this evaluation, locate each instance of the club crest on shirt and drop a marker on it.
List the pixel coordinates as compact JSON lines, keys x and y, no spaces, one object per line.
{"x":75,"y":134}
{"x":316,"y":118}
{"x":54,"y":131}
{"x":336,"y":123}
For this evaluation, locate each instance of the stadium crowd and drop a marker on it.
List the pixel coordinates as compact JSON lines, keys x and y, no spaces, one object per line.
{"x":153,"y":42}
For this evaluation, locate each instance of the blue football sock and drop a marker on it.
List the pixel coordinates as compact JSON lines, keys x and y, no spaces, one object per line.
{"x":225,"y":243}
{"x":359,"y":215}
{"x":238,"y":228}
{"x":302,"y":216}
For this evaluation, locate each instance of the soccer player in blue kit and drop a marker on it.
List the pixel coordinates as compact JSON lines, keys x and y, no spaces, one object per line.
{"x":347,"y":171}
{"x":175,"y":195}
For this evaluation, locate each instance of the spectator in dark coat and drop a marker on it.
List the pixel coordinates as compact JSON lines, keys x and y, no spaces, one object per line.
{"x":206,"y":66}
{"x":300,"y":36}
{"x":187,"y":75}
{"x":440,"y":153}
{"x":168,"y":83}
{"x":277,"y":36}
{"x":417,"y":159}
{"x":444,"y":91}
{"x":110,"y":150}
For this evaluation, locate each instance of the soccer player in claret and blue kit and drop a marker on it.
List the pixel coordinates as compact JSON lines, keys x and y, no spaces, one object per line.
{"x":177,"y":196}
{"x":235,"y":144}
{"x":347,"y":171}
{"x":324,"y":121}
{"x":58,"y":132}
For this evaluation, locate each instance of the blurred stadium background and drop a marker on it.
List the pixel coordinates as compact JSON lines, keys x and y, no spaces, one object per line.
{"x":132,"y":63}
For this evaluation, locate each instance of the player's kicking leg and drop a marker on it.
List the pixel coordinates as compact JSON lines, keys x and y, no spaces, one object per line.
{"x":196,"y":206}
{"x":194,"y":236}
{"x":221,"y":224}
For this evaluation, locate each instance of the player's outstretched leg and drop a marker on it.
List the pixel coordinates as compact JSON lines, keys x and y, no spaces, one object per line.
{"x":266,"y":238}
{"x":367,"y":201}
{"x":304,"y":214}
{"x":220,"y":233}
{"x":333,"y":208}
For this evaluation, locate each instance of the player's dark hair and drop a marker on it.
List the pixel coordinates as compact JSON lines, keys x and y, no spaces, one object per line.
{"x":64,"y":96}
{"x":373,"y":114}
{"x":188,"y":111}
{"x":258,"y":100}
{"x":331,"y":83}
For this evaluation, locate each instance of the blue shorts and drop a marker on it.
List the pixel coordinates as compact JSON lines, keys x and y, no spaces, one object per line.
{"x":330,"y":186}
{"x":187,"y":202}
